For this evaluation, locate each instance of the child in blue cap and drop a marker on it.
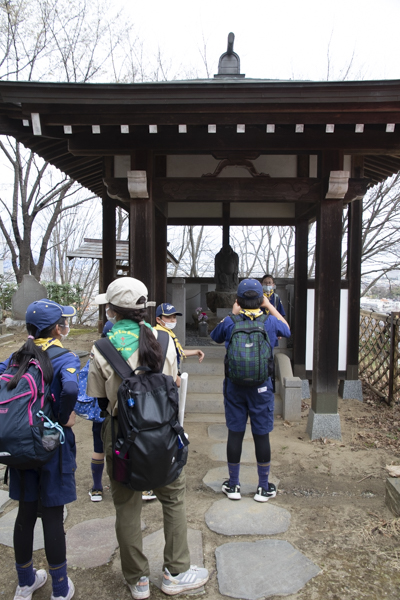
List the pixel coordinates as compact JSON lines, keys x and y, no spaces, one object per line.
{"x":257,"y":402}
{"x":54,"y":485}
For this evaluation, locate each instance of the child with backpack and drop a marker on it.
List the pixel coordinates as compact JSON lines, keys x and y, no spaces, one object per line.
{"x":52,"y":485}
{"x":133,"y":339}
{"x":249,"y":335}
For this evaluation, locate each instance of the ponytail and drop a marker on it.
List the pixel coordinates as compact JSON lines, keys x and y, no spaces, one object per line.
{"x":29,"y":351}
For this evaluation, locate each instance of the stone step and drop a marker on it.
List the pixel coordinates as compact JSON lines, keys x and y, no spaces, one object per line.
{"x":205,"y":384}
{"x":214,"y":404}
{"x":209,"y":366}
{"x":204,"y":403}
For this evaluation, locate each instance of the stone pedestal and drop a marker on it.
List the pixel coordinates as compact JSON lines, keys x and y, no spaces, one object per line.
{"x":220,"y":300}
{"x":351,"y":390}
{"x":392,"y":495}
{"x":322,"y":425}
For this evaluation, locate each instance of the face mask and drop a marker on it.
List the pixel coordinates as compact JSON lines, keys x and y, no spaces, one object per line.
{"x":112,"y":320}
{"x":65,"y":335}
{"x":170,"y":325}
{"x":268,"y":288}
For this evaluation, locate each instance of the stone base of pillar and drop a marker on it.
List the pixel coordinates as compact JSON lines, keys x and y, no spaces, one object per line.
{"x":305,"y":389}
{"x":351,"y":390}
{"x":321,"y":425}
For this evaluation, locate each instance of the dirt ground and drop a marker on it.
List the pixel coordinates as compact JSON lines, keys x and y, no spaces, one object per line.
{"x":334,"y":491}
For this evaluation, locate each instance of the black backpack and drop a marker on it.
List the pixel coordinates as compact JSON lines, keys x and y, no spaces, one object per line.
{"x":28,"y":435}
{"x":248,"y":360}
{"x":150,"y":448}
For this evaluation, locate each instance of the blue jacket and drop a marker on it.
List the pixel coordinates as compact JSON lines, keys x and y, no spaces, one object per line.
{"x":57,"y":480}
{"x":274,"y":328}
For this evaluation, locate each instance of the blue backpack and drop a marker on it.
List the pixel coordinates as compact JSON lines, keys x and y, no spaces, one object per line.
{"x":86,"y":406}
{"x":248,"y":360}
{"x":29,"y":437}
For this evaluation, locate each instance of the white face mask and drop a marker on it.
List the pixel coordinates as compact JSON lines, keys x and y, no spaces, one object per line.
{"x":170,"y":325}
{"x":65,"y":335}
{"x":268,"y":288}
{"x":112,"y":320}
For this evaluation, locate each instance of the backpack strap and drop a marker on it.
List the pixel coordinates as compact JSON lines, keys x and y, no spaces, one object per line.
{"x":276,"y":301}
{"x":113,"y":357}
{"x":55,"y":351}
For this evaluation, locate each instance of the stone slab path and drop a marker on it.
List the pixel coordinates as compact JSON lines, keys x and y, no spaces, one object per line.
{"x":252,"y":570}
{"x":246,"y":517}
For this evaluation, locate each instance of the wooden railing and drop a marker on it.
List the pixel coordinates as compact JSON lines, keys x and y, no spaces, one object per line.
{"x":379,"y":353}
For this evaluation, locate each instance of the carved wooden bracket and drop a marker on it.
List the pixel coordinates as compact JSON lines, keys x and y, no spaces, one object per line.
{"x":137,"y":184}
{"x":236,"y":162}
{"x":338,"y":185}
{"x":117,"y":188}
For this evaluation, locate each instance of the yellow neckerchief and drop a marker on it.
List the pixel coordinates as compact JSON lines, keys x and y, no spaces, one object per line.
{"x":45,"y":343}
{"x":178,"y":346}
{"x":251,"y":313}
{"x":268,"y":295}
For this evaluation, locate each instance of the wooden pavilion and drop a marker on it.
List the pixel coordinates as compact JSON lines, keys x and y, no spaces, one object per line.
{"x":227,"y":151}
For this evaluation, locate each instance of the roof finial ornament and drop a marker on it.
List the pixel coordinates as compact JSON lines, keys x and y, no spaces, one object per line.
{"x":229,"y":62}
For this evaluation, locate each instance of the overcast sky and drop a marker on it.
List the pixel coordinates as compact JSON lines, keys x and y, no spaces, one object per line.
{"x":275,"y":39}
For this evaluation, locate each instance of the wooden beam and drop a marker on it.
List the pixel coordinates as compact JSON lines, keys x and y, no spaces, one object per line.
{"x":354,"y":256}
{"x":217,"y":222}
{"x":300,"y":300}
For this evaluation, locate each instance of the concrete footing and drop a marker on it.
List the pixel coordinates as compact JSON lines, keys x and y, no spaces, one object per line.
{"x":323,"y":425}
{"x":351,"y":390}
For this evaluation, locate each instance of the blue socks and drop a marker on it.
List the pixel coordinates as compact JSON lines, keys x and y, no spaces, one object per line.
{"x":59,"y":578}
{"x":26,"y":574}
{"x":233,"y":473}
{"x":263,"y":474}
{"x":97,"y":473}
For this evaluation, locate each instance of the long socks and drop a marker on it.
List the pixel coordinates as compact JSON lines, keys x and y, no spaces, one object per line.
{"x":97,"y":473}
{"x":59,"y":578}
{"x":26,"y":573}
{"x":263,"y":474}
{"x":263,"y":455}
{"x":233,"y":473}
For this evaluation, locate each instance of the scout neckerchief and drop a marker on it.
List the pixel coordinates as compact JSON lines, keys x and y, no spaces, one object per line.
{"x":124,"y":336}
{"x":269,"y":296}
{"x":45,"y":343}
{"x":179,"y":350}
{"x":251,"y":313}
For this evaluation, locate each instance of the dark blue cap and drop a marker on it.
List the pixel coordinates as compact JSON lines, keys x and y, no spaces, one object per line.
{"x":250,"y":285}
{"x":44,"y":313}
{"x":167,"y":310}
{"x":107,"y":327}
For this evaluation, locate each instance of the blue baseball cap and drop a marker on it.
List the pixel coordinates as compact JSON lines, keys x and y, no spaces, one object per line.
{"x":44,"y":313}
{"x":250,"y":285}
{"x":167,"y":310}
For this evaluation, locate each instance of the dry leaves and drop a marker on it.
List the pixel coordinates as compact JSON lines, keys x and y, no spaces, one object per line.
{"x":393,"y":470}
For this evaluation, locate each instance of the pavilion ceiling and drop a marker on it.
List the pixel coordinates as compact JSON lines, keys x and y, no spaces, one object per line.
{"x":74,"y":125}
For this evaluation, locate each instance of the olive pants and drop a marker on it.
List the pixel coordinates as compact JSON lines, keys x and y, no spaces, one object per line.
{"x":128,"y":508}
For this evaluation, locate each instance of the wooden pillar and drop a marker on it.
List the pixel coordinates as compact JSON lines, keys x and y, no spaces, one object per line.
{"x":109,"y":231}
{"x":354,"y":279}
{"x":327,"y":293}
{"x":226,"y":210}
{"x":160,"y":257}
{"x":142,"y":229}
{"x":300,"y":299}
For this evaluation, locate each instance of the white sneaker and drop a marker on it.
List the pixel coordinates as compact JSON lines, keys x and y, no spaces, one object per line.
{"x":191,"y":579}
{"x":25,"y":592}
{"x":71,"y":592}
{"x":149,"y":495}
{"x":141,"y":589}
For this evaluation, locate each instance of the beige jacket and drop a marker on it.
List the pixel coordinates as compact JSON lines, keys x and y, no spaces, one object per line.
{"x":103,"y":382}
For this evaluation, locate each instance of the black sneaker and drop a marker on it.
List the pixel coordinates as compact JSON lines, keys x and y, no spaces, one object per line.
{"x":232,"y":491}
{"x":264,"y":495}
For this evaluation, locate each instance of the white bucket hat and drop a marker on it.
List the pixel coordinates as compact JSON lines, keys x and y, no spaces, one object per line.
{"x":125,"y":293}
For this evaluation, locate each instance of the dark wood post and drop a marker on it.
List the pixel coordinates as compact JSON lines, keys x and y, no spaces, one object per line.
{"x":327,"y":293}
{"x":161,"y":257}
{"x":142,"y":229}
{"x":109,"y":231}
{"x":354,"y":279}
{"x":299,"y":325}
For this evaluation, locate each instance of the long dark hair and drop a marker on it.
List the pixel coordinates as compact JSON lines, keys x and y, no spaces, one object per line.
{"x":150,"y":353}
{"x":29,"y":351}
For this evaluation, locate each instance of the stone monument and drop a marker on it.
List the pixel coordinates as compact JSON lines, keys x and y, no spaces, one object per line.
{"x":28,"y":291}
{"x":226,"y":276}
